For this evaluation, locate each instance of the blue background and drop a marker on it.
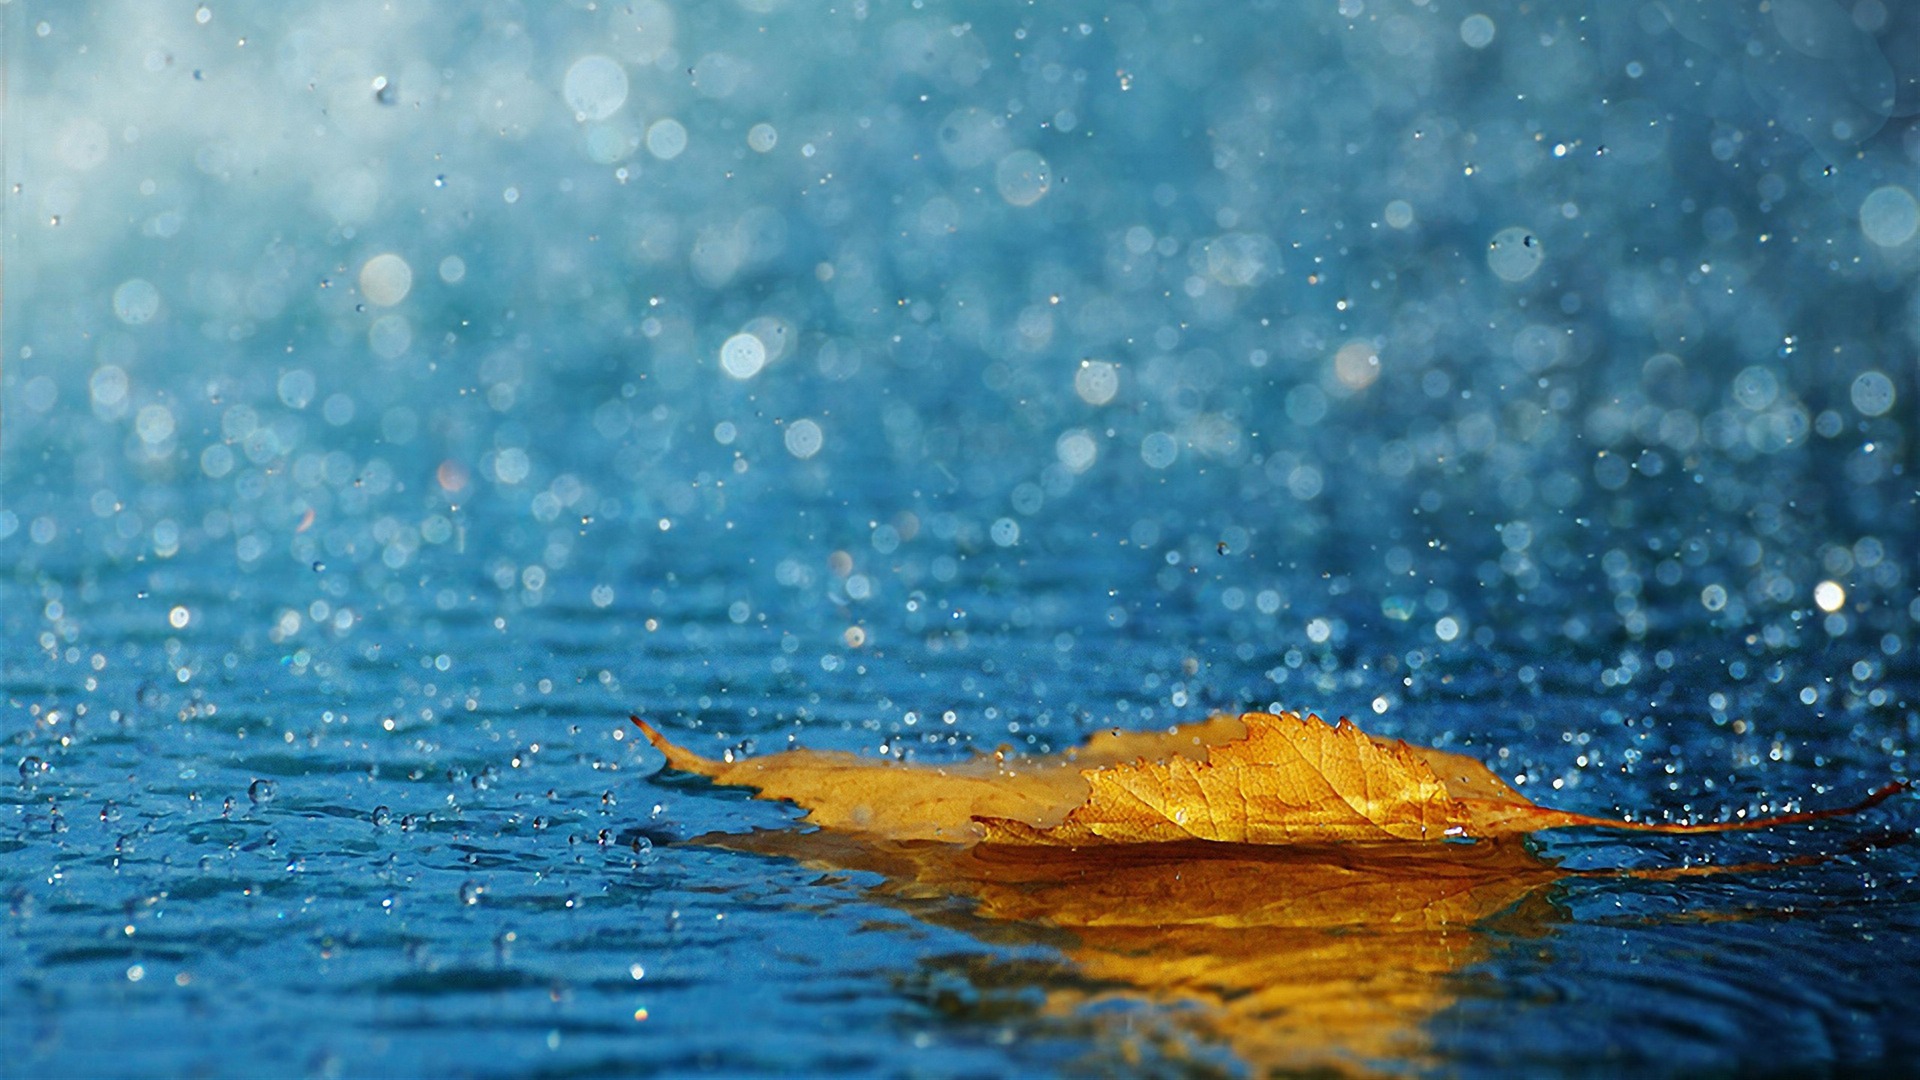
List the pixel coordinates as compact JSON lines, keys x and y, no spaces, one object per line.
{"x":905,"y":378}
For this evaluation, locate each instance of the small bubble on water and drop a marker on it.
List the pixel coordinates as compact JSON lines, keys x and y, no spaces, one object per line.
{"x":261,"y":792}
{"x":381,"y":816}
{"x":471,"y":892}
{"x":32,"y":767}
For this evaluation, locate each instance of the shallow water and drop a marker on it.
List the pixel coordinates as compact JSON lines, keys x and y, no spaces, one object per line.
{"x":327,"y":593}
{"x":496,"y":884}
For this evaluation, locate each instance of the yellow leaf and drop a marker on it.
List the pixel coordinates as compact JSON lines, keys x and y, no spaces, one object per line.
{"x":938,"y":802}
{"x":1282,"y":882}
{"x":1289,"y":779}
{"x":1259,"y":778}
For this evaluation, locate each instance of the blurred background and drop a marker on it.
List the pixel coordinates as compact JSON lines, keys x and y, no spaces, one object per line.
{"x":397,"y":394}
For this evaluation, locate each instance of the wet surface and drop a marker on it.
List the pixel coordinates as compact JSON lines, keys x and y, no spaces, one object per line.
{"x":353,"y":865}
{"x":384,"y":423}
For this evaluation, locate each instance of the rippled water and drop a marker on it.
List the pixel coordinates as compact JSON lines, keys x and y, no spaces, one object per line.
{"x":396,"y":399}
{"x":430,"y":846}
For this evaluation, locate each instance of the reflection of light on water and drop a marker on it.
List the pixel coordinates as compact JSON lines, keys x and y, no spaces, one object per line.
{"x":1135,"y":364}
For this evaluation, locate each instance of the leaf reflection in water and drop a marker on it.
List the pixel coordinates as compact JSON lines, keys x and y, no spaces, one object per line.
{"x":1325,"y":946}
{"x":1295,"y":958}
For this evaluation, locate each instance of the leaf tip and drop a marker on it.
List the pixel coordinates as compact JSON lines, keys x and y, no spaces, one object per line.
{"x":677,"y":757}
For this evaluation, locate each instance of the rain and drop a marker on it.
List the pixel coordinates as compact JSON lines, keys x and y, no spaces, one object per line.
{"x":396,"y":396}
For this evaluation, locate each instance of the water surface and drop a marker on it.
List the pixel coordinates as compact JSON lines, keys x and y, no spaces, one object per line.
{"x":396,"y":399}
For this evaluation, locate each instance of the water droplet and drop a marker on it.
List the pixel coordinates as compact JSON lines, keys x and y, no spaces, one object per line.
{"x":386,"y":279}
{"x":1023,"y":177}
{"x":31,"y":767}
{"x":470,"y":892}
{"x":1514,"y":254}
{"x":261,"y":792}
{"x":136,"y":301}
{"x":381,"y":816}
{"x":595,"y":87}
